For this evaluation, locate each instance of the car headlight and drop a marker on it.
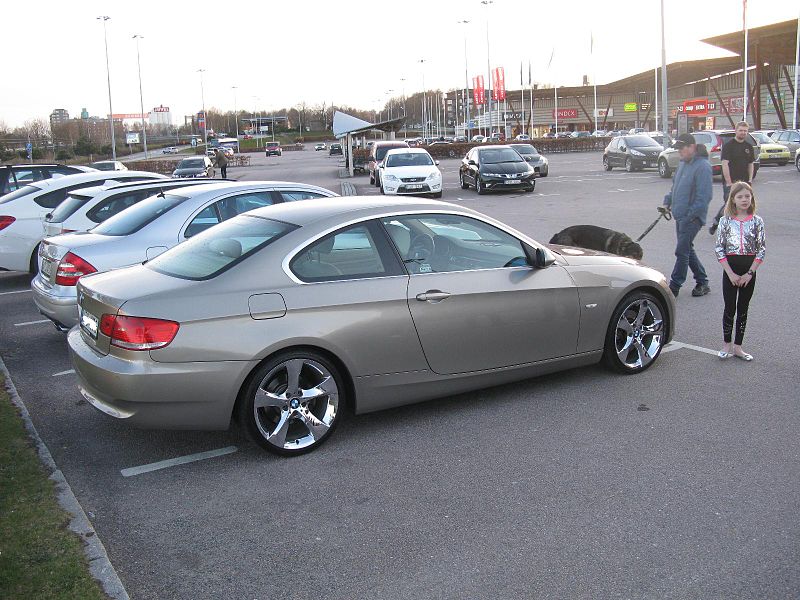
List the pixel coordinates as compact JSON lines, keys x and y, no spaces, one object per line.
{"x":434,"y":175}
{"x":636,"y":152}
{"x":390,"y":177}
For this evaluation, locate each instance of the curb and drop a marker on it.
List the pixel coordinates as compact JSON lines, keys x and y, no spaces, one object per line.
{"x":99,"y":564}
{"x":348,"y":189}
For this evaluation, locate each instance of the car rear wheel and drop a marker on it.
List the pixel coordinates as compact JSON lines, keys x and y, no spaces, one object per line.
{"x":292,"y":404}
{"x":606,"y":165}
{"x":635,"y":334}
{"x":465,"y":185}
{"x":663,"y":168}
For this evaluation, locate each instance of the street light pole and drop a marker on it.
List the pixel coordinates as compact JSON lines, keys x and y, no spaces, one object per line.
{"x":664,"y":91}
{"x":405,"y":132}
{"x":236,"y":119}
{"x":424,"y":122}
{"x":108,"y":77}
{"x":466,"y":84}
{"x":486,"y":3}
{"x":138,"y":37}
{"x":205,"y":116}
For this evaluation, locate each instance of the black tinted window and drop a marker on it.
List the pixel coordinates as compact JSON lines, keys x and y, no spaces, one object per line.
{"x":139,"y":215}
{"x":499,"y":155}
{"x":640,"y":141}
{"x":192,"y":163}
{"x":116,"y":204}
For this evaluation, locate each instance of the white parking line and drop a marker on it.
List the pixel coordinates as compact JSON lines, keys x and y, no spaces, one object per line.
{"x":678,"y":345}
{"x":14,"y":292}
{"x":174,"y":462}
{"x":71,"y":371}
{"x":32,"y":322}
{"x":621,"y":190}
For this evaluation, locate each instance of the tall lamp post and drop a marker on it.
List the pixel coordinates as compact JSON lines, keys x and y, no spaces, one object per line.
{"x":403,"y":81}
{"x":236,"y":118}
{"x":108,"y":77}
{"x":466,"y":83}
{"x":138,"y":37}
{"x":424,"y":100}
{"x":203,"y":100}
{"x":487,"y":4}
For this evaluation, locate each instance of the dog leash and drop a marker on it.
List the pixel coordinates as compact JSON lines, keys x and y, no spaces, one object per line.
{"x":663,"y":213}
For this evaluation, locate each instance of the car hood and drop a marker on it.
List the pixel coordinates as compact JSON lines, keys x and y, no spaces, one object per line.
{"x":410,"y":171}
{"x":774,"y":147}
{"x":584,"y":256}
{"x":505,"y":167}
{"x":533,"y":158}
{"x":192,"y":171}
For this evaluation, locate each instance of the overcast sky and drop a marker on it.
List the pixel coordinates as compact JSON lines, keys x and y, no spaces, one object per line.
{"x":280,"y":54}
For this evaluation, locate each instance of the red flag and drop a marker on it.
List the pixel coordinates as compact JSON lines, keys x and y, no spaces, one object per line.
{"x":500,"y":83}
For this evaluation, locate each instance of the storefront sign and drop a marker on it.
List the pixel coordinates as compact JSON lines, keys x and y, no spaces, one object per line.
{"x":566,"y":113}
{"x":630,"y":107}
{"x":602,"y":112}
{"x":696,"y":108}
{"x":709,"y":122}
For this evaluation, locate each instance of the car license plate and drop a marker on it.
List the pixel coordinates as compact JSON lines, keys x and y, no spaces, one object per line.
{"x":47,"y":267}
{"x":414,"y":186}
{"x":88,"y":323}
{"x":512,"y":181}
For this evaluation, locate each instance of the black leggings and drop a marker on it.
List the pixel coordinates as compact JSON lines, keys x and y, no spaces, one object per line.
{"x":737,"y":299}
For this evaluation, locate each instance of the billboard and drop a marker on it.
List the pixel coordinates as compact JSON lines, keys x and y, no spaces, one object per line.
{"x":697,"y":107}
{"x":566,"y":113}
{"x":132,"y":137}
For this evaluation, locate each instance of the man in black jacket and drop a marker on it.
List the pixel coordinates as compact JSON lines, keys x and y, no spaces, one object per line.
{"x":738,"y":156}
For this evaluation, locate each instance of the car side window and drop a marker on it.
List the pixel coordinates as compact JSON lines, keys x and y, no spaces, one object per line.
{"x":116,"y":204}
{"x":795,"y":137}
{"x":356,"y":252}
{"x":291,"y":196}
{"x":241,"y":203}
{"x":25,"y":176}
{"x":206,"y":218}
{"x":448,"y":243}
{"x":56,"y":197}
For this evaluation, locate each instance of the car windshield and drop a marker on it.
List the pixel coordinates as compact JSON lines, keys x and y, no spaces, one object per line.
{"x":409,"y":159}
{"x":762,"y":138}
{"x":137,"y":216}
{"x":192,"y":163}
{"x":19,"y":193}
{"x":499,"y":155}
{"x":219,"y":248}
{"x":640,"y":141}
{"x":380,"y":151}
{"x":525,"y":149}
{"x":69,"y":206}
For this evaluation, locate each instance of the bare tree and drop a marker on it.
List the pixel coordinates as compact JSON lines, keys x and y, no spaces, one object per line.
{"x":37,"y":129}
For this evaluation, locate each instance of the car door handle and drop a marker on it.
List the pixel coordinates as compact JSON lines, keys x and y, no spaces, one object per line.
{"x":433,"y":296}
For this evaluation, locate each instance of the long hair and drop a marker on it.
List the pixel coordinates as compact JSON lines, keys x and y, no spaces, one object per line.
{"x":730,"y":205}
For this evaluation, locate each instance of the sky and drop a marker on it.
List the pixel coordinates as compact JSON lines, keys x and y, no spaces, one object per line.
{"x":279,"y":54}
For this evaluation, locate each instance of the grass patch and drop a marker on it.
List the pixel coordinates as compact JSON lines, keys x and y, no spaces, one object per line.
{"x":39,"y":557}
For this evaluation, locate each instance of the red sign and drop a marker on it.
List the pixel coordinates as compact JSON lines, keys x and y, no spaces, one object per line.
{"x":479,"y":92}
{"x":566,"y":113}
{"x":696,"y":108}
{"x":499,"y":77}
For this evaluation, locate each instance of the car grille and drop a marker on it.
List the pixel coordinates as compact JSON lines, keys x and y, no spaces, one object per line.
{"x":412,"y":179}
{"x":774,"y":150}
{"x":423,"y":190}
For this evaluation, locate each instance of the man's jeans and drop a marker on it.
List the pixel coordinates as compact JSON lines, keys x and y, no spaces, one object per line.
{"x":685,"y":254}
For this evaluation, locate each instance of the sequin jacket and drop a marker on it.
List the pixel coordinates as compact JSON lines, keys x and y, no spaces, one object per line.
{"x":741,"y":237}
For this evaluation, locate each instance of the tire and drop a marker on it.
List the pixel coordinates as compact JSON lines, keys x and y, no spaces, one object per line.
{"x":377,"y":180}
{"x":663,"y":168}
{"x":293,"y":423}
{"x":797,"y":163}
{"x":545,"y":173}
{"x":33,"y":265}
{"x":436,"y":195}
{"x":451,"y":153}
{"x":372,"y":178}
{"x":635,"y":333}
{"x":465,"y":185}
{"x":383,"y":193}
{"x":479,"y":186}
{"x":629,"y":165}
{"x":606,"y":165}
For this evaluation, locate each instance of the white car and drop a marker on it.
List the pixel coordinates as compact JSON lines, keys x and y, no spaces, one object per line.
{"x":22,"y":212}
{"x":108,"y":165}
{"x":169,"y":150}
{"x":320,"y":146}
{"x":478,"y":138}
{"x":410,"y":171}
{"x":523,"y":137}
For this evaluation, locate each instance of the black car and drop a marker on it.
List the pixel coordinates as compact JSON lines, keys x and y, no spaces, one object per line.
{"x":634,"y":152}
{"x":494,"y":168}
{"x":196,"y":166}
{"x":335,"y":149}
{"x":533,"y":158}
{"x":13,"y":177}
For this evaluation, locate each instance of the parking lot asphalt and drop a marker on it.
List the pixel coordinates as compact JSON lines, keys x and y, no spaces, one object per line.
{"x":680,"y":482}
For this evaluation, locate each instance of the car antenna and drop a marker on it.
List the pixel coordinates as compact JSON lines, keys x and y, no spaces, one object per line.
{"x":160,"y":193}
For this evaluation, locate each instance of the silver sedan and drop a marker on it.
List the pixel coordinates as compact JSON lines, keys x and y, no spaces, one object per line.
{"x":283,"y":316}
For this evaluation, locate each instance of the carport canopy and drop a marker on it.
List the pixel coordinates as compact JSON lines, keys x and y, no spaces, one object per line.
{"x":346,"y":126}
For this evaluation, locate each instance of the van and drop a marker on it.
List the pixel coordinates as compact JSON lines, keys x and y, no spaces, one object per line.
{"x":377,"y":153}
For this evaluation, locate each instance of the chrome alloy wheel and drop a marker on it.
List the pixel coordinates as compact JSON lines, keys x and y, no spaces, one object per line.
{"x":296,"y":404}
{"x":639,"y":334}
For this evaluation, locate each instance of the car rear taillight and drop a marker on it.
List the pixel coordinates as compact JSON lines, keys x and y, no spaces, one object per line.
{"x":718,"y":147}
{"x":138,"y":333}
{"x":71,"y":268}
{"x":5,"y":222}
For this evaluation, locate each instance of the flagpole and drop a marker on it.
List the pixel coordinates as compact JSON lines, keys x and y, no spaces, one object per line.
{"x":594,"y":79}
{"x":655,"y":94}
{"x":796,"y":65}
{"x":530,"y":85}
{"x":744,"y":26}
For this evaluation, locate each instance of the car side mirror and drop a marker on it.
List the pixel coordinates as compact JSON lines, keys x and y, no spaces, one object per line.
{"x":472,"y":162}
{"x":436,"y":162}
{"x":539,"y":258}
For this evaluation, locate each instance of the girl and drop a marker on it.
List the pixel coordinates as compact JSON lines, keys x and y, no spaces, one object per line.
{"x":741,"y":246}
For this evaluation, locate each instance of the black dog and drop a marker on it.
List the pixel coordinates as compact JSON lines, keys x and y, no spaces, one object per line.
{"x":598,"y":238}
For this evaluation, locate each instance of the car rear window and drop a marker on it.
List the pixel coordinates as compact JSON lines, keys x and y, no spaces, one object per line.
{"x":217,"y":249}
{"x":19,"y":193}
{"x":139,"y":215}
{"x":68,"y":207}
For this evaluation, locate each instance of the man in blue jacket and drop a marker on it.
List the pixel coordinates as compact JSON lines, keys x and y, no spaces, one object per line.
{"x":689,"y":198}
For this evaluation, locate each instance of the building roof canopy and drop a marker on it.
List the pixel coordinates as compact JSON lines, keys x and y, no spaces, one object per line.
{"x":776,"y":43}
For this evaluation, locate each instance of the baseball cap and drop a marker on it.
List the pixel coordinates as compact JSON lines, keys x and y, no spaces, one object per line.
{"x":684,"y":139}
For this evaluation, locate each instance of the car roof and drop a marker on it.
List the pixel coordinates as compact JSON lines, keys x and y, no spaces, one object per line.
{"x":232,"y":186}
{"x":57,"y":183}
{"x":407,"y":151}
{"x":396,"y":143}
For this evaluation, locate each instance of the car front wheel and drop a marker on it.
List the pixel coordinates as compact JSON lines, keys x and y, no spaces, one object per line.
{"x":663,"y":168}
{"x":629,"y":165}
{"x":797,"y":162}
{"x":635,"y":334}
{"x":293,"y":402}
{"x":606,"y":165}
{"x":465,"y":185}
{"x":479,"y":187}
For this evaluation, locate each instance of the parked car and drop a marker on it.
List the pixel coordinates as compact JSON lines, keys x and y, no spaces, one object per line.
{"x":145,"y":230}
{"x":335,"y":149}
{"x":713,"y":140}
{"x":636,"y":130}
{"x":22,"y":211}
{"x":478,"y":138}
{"x":460,"y":139}
{"x":169,"y":150}
{"x":195,"y":166}
{"x":788,"y":137}
{"x":797,"y":159}
{"x":771,"y":152}
{"x":108,"y":165}
{"x":13,"y":177}
{"x":492,"y":168}
{"x":497,"y":137}
{"x":600,"y":133}
{"x":540,"y":164}
{"x":227,"y":326}
{"x":563,"y":134}
{"x":523,"y":137}
{"x":634,"y":152}
{"x":87,"y":207}
{"x":377,"y":153}
{"x":580,"y":134}
{"x":410,"y":171}
{"x":273,"y":148}
{"x":319,"y":146}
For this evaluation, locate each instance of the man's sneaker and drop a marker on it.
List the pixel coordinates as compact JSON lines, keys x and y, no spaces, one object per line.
{"x":713,"y":229}
{"x":674,"y":290}
{"x":701,"y":289}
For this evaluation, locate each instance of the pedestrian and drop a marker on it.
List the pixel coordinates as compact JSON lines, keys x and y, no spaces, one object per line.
{"x":741,"y":247}
{"x":222,"y":163}
{"x":688,"y":200}
{"x":738,"y":162}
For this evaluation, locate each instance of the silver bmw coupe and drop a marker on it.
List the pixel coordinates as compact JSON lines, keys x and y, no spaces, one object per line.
{"x":284,"y":316}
